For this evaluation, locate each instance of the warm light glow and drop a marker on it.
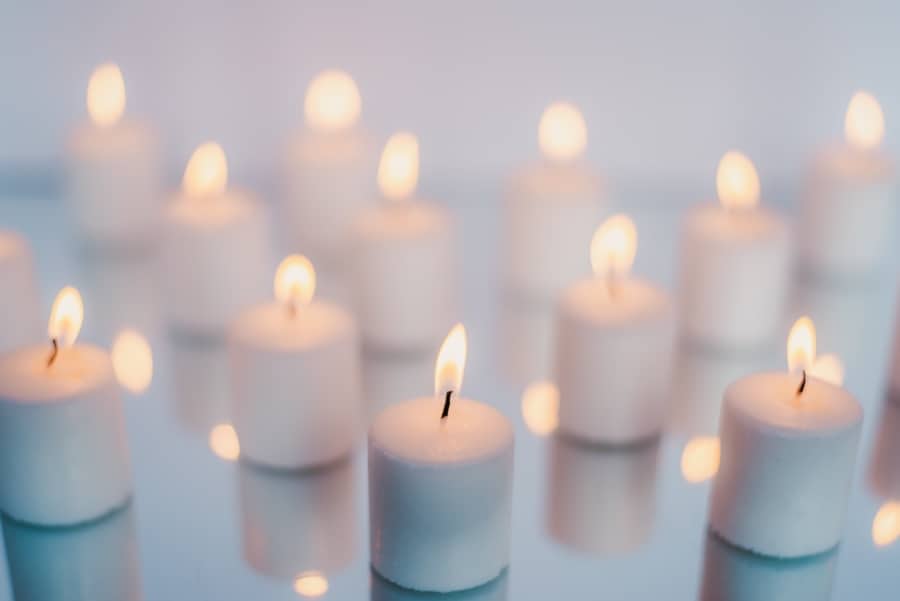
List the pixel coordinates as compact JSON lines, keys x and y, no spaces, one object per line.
{"x":737,"y":183}
{"x":398,"y":171}
{"x":562,"y":133}
{"x":886,"y":525}
{"x":311,"y":584}
{"x":332,"y":101}
{"x":613,"y":246}
{"x":828,"y":367}
{"x":295,"y":281}
{"x":801,"y":345}
{"x":223,"y":441}
{"x":864,"y":123}
{"x":206,"y":173}
{"x":106,"y":95}
{"x":132,"y":361}
{"x":66,"y":317}
{"x":540,"y":407}
{"x":700,"y":459}
{"x":451,"y":362}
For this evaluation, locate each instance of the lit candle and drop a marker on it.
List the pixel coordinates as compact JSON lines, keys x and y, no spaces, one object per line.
{"x":114,"y":168}
{"x":846,"y":216}
{"x":551,"y":208}
{"x":216,"y":248}
{"x":328,"y":171}
{"x":440,"y":484}
{"x":614,"y":344}
{"x":404,"y":269}
{"x":295,"y":375}
{"x":735,"y":264}
{"x":63,"y":451}
{"x":19,"y":320}
{"x":788,"y":449}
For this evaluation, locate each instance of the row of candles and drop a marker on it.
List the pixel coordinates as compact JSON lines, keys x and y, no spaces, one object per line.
{"x":441,"y":466}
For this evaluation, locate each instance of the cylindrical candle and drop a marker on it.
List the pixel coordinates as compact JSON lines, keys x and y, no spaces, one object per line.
{"x":846,"y":224}
{"x":63,"y":450}
{"x":788,"y":449}
{"x":328,"y":170}
{"x":215,"y":251}
{"x":295,"y":375}
{"x":404,"y":269}
{"x":735,"y":264}
{"x":615,"y":337}
{"x":383,"y":590}
{"x":894,"y":367}
{"x":884,"y":466}
{"x":114,"y":168}
{"x":551,"y":208}
{"x":440,"y":484}
{"x":19,"y":302}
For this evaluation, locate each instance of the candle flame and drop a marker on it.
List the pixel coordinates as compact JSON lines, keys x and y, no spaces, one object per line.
{"x":562,"y":132}
{"x":700,"y":459}
{"x":295,"y":281}
{"x":332,"y":101}
{"x":540,"y":407}
{"x":106,"y":95}
{"x":801,"y":345}
{"x":864,"y":122}
{"x":223,"y":441}
{"x":132,"y":360}
{"x":737,"y":182}
{"x":614,"y":246}
{"x":66,"y":317}
{"x":451,"y":362}
{"x":886,"y":524}
{"x":829,"y":368}
{"x":311,"y":584}
{"x":206,"y":174}
{"x":398,"y":170}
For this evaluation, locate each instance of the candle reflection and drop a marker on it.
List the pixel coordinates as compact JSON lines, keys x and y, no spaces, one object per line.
{"x":202,"y":393}
{"x":886,"y":524}
{"x":311,"y":584}
{"x":495,"y":590}
{"x":223,"y":441}
{"x":389,"y":378}
{"x":601,"y":501}
{"x":526,"y":333}
{"x":884,"y":476}
{"x":97,"y":561}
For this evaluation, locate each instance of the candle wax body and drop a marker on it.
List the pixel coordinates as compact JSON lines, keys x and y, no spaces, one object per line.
{"x":786,"y":468}
{"x":63,"y":449}
{"x":894,"y":367}
{"x":383,"y":590}
{"x":440,"y":494}
{"x":613,"y":360}
{"x":328,"y":177}
{"x":114,"y":177}
{"x":295,"y":382}
{"x":884,"y":470}
{"x":405,"y":277}
{"x":847,"y":216}
{"x":552,"y":211}
{"x":215,"y":260}
{"x":20,"y":323}
{"x":735,"y":268}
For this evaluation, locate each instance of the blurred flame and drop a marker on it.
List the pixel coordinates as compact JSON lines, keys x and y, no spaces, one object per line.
{"x":451,"y":362}
{"x":106,"y":95}
{"x":801,"y":345}
{"x":224,"y":442}
{"x":66,"y":317}
{"x":886,"y":524}
{"x":562,"y":133}
{"x":829,"y":368}
{"x":132,"y":360}
{"x":332,"y":101}
{"x":864,"y":123}
{"x":737,"y":182}
{"x":700,"y":459}
{"x":398,"y":170}
{"x":311,"y":584}
{"x":614,"y":246}
{"x":295,"y":281}
{"x":540,"y":407}
{"x":206,"y":173}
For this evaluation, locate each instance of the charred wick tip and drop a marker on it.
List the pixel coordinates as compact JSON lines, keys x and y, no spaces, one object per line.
{"x":446,"y":410}
{"x":802,"y":386}
{"x":53,"y":353}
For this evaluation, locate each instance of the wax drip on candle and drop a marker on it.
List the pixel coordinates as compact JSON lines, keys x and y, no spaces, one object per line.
{"x":737,"y":182}
{"x":66,"y":317}
{"x":613,"y":248}
{"x":295,"y":282}
{"x":450,"y":365}
{"x":801,"y":349}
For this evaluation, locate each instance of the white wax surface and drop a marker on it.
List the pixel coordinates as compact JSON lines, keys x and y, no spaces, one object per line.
{"x":273,"y":327}
{"x":26,"y":379}
{"x":884,"y":469}
{"x":20,"y":321}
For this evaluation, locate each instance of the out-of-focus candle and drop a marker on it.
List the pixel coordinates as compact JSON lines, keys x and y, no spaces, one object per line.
{"x":884,"y":466}
{"x":114,"y":168}
{"x":846,"y":224}
{"x":216,"y":252}
{"x":735,"y":264}
{"x":551,"y":208}
{"x":19,"y":302}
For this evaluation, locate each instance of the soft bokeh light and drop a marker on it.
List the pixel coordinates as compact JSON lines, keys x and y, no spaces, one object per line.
{"x":295,"y":281}
{"x":332,"y":101}
{"x":223,"y":441}
{"x":398,"y":170}
{"x":206,"y":174}
{"x":562,"y":132}
{"x":801,"y":345}
{"x":451,"y":362}
{"x":828,"y":367}
{"x":737,"y":182}
{"x":311,"y":584}
{"x":540,"y":407}
{"x":66,"y":317}
{"x":886,"y":524}
{"x":106,"y":95}
{"x":864,"y":122}
{"x":700,"y":459}
{"x":132,"y":360}
{"x":614,"y":246}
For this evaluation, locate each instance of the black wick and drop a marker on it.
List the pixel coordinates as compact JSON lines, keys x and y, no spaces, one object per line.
{"x":54,"y":353}
{"x":802,"y":384}
{"x":446,"y":411}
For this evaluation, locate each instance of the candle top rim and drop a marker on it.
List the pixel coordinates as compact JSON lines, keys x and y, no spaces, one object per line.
{"x":410,"y":220}
{"x":717,"y":223}
{"x":216,"y":211}
{"x":269,"y":326}
{"x":638,"y":301}
{"x":843,"y":159}
{"x":25,"y":378}
{"x":558,"y":181}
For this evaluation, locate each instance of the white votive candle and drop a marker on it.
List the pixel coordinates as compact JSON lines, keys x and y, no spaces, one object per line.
{"x":551,"y":208}
{"x":215,"y":253}
{"x":788,"y":449}
{"x":19,"y":302}
{"x":63,"y":450}
{"x":328,"y":170}
{"x":847,"y":215}
{"x":440,"y":484}
{"x":295,"y":375}
{"x":404,"y":270}
{"x":735,"y":264}
{"x":614,"y":344}
{"x":113,"y":168}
